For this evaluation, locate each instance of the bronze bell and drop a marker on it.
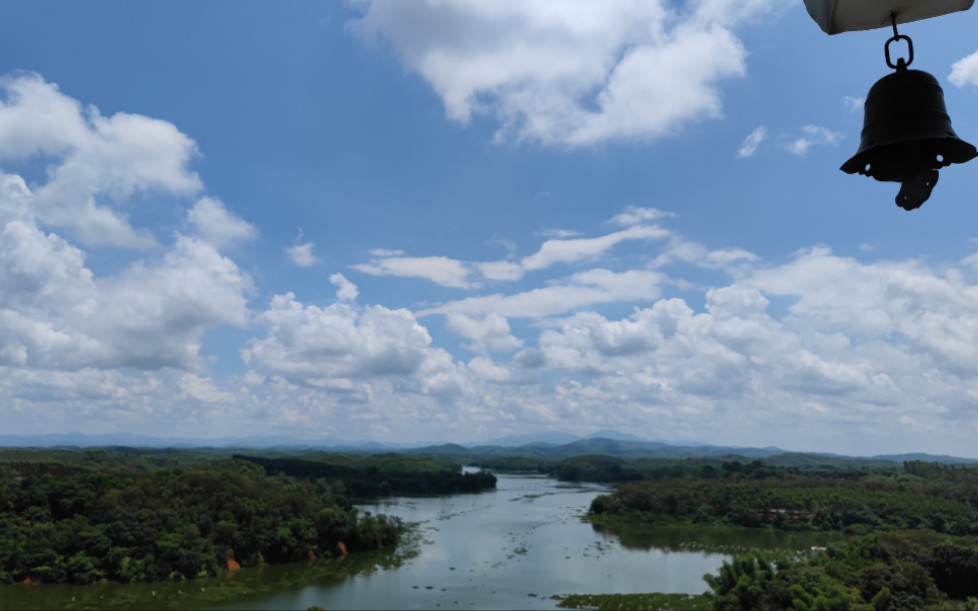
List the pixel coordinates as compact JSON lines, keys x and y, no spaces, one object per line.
{"x":907,"y":135}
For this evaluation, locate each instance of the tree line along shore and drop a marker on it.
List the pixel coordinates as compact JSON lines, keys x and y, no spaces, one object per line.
{"x":913,"y":533}
{"x":125,"y":515}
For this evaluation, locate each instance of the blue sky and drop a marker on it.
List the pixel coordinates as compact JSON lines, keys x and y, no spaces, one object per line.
{"x":451,"y":221}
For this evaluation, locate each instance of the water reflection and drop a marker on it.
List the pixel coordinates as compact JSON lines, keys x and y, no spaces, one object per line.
{"x":509,"y":548}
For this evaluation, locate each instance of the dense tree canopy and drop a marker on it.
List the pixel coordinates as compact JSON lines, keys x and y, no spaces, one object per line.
{"x":124,"y":515}
{"x":882,"y":572}
{"x":917,"y":526}
{"x":857,"y":501}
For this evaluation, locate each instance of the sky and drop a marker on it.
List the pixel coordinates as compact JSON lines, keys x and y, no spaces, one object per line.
{"x":454,"y":220}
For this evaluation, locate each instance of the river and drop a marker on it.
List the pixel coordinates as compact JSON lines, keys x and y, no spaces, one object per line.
{"x":513,"y":547}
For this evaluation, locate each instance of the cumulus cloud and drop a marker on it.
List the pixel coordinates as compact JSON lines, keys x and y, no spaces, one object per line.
{"x":862,"y":346}
{"x":154,"y":314}
{"x":55,"y":312}
{"x":303,"y":255}
{"x":343,"y":347}
{"x":751,"y":142}
{"x":812,"y":135}
{"x":345,"y":290}
{"x":852,"y":351}
{"x":816,"y":351}
{"x":94,"y":162}
{"x":489,"y":333}
{"x":964,"y":72}
{"x":572,"y":73}
{"x":218,"y":227}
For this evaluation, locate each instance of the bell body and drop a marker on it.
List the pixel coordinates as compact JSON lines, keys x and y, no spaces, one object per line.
{"x":906,"y":130}
{"x":835,"y":16}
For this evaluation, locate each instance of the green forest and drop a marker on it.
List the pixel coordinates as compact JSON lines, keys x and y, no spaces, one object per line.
{"x":123,"y":515}
{"x":83,"y":516}
{"x":914,"y":532}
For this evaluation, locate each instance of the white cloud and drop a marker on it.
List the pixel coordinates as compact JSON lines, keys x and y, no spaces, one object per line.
{"x":153,"y":315}
{"x":203,"y":389}
{"x":343,"y":346}
{"x":55,"y":313}
{"x":37,"y":118}
{"x":635,"y":215}
{"x":218,"y":227}
{"x":489,"y":333}
{"x":386,"y":252}
{"x":687,"y":251}
{"x":572,"y":73}
{"x":559,"y":234}
{"x":345,"y":290}
{"x":573,"y":250}
{"x":816,"y":352}
{"x":94,"y":161}
{"x":453,"y":273}
{"x":854,"y":104}
{"x":501,"y":270}
{"x":855,"y":352}
{"x":751,"y":142}
{"x":813,"y":135}
{"x":486,"y":370}
{"x":506,"y":243}
{"x":440,"y":270}
{"x":964,"y":72}
{"x":302,"y":255}
{"x":580,"y":290}
{"x":864,"y":344}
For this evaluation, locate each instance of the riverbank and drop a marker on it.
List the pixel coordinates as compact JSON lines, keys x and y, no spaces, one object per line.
{"x":231,"y":590}
{"x":516,"y":546}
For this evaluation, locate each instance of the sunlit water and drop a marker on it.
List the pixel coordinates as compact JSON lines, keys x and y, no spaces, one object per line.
{"x":513,"y":548}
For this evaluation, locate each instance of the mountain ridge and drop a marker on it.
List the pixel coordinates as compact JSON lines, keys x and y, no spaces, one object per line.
{"x":622,"y":445}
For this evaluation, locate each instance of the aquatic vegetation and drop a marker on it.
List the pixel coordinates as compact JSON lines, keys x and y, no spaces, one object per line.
{"x":637,"y":602}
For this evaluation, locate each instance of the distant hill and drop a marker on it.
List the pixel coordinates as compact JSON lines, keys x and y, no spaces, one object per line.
{"x":554,"y":438}
{"x":552,"y":445}
{"x":609,"y":434}
{"x":656,"y":449}
{"x":513,"y":441}
{"x":621,"y":448}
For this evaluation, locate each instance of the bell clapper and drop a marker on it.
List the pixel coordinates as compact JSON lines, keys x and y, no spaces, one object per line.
{"x":915,"y":190}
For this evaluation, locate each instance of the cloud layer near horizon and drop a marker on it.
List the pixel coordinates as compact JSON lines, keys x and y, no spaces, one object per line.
{"x":677,"y":340}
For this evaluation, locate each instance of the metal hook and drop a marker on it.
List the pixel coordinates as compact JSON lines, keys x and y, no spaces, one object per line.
{"x":901,"y":63}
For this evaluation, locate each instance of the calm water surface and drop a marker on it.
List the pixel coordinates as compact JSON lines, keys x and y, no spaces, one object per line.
{"x":509,"y":548}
